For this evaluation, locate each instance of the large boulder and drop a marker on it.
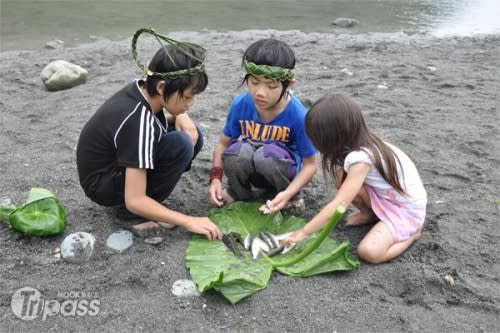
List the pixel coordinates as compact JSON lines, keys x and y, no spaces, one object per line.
{"x":60,"y":75}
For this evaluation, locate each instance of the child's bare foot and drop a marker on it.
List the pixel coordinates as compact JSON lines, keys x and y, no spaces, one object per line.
{"x":146,"y":229}
{"x":360,"y":218}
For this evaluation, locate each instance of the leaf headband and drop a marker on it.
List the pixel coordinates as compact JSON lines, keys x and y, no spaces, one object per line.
{"x":272,"y":72}
{"x":184,"y":47}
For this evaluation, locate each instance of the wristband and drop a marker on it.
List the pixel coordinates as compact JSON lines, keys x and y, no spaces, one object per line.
{"x":216,"y":173}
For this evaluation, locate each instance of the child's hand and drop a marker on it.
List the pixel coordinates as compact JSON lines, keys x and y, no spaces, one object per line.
{"x":203,"y":226}
{"x":185,"y":124}
{"x":215,"y":192}
{"x":297,"y":236}
{"x":279,"y":202}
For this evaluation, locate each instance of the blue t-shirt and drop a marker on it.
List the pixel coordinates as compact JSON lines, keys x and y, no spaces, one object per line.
{"x":287,"y":128}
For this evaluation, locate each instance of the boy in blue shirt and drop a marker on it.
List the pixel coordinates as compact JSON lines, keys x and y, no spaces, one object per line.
{"x":264,"y":149}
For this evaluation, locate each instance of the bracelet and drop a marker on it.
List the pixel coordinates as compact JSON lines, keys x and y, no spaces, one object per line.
{"x":216,"y":173}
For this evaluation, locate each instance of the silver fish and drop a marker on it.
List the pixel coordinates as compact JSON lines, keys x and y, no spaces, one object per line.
{"x":270,"y":240}
{"x":247,"y":242}
{"x":276,"y":251}
{"x":257,"y":246}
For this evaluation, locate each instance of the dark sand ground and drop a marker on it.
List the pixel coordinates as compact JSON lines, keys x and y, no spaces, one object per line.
{"x":447,"y":119}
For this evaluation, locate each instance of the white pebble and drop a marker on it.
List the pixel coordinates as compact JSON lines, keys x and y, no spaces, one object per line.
{"x":184,"y":288}
{"x":346,"y":71}
{"x":77,"y":247}
{"x":450,"y":280}
{"x":120,"y":240}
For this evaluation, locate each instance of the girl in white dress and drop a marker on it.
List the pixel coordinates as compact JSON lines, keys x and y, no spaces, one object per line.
{"x":377,"y":177}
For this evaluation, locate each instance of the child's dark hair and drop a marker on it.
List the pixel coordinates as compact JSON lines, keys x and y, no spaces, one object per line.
{"x":336,"y":126}
{"x":162,"y":63}
{"x":271,"y":52}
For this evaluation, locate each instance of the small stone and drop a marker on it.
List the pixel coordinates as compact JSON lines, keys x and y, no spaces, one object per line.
{"x":5,"y":201}
{"x":347,"y":72}
{"x":54,"y":44}
{"x":77,"y":247}
{"x":450,"y":280}
{"x":153,"y":240}
{"x":146,"y":229}
{"x":120,"y":240}
{"x":184,"y":288}
{"x":345,"y":22}
{"x":167,"y":225}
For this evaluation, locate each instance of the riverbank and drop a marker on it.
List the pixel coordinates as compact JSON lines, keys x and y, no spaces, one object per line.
{"x":435,"y":98}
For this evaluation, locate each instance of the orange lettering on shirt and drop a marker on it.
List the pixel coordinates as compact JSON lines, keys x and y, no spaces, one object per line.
{"x":260,"y":132}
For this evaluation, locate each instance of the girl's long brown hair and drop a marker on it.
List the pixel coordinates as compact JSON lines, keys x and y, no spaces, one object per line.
{"x":336,"y":126}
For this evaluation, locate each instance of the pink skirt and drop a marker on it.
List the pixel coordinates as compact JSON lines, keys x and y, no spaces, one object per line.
{"x":404,"y":219}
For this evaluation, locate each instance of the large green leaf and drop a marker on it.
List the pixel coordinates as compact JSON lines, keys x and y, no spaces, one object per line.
{"x":38,"y":193}
{"x":41,"y":215}
{"x":213,"y":266}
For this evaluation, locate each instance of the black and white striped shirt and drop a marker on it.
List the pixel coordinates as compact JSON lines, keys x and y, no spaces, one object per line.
{"x":122,"y":133}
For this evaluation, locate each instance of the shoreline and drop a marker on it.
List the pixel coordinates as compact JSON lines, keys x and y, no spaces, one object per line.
{"x":343,"y":34}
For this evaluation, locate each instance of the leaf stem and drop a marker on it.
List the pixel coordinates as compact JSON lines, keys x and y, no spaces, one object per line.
{"x":339,"y":212}
{"x":5,"y":212}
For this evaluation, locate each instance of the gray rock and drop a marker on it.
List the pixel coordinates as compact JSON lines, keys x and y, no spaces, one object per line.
{"x":153,"y":240}
{"x":55,"y":44}
{"x":345,"y":22}
{"x":60,"y":74}
{"x":77,"y":247}
{"x":185,"y":288}
{"x":120,"y":240}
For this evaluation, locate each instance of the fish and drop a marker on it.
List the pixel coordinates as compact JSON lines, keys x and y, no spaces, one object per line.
{"x":264,"y":241}
{"x":276,"y":251}
{"x":257,"y":246}
{"x":230,"y":240}
{"x":267,"y":242}
{"x":247,"y":242}
{"x":270,"y":240}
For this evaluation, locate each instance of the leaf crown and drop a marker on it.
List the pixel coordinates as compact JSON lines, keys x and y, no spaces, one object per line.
{"x":272,"y":72}
{"x":184,"y":47}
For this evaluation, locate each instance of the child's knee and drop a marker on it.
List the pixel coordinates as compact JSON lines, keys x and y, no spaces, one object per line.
{"x":271,"y":160}
{"x":238,"y":156}
{"x":370,"y":253}
{"x":184,"y":148}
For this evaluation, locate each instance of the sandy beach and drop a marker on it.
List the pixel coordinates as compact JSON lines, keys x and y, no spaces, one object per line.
{"x":437,"y":99}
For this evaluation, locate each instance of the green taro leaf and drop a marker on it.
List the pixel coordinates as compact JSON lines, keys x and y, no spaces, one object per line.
{"x":37,"y":193}
{"x":213,"y":266}
{"x":41,"y":215}
{"x":5,"y":212}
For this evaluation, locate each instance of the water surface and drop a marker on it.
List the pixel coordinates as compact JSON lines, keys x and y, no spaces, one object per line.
{"x":29,"y":24}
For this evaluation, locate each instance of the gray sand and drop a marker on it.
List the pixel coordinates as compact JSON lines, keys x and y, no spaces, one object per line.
{"x":447,"y":119}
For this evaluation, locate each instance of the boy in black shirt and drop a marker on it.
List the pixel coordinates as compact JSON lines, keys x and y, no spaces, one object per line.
{"x":134,"y":149}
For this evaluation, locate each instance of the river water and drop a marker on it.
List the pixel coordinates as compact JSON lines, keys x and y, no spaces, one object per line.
{"x":29,"y":24}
